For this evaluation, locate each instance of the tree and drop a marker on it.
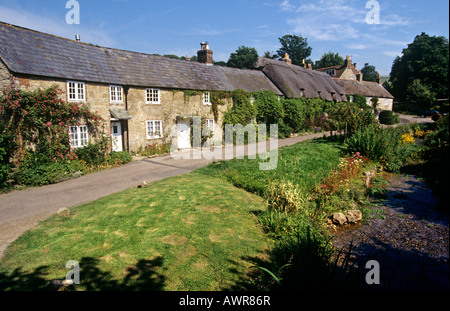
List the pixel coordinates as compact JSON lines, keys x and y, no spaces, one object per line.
{"x":419,"y":96}
{"x":427,"y":59}
{"x":329,"y":59}
{"x":269,"y":54}
{"x":244,"y":57}
{"x":297,"y":48}
{"x":369,"y":73}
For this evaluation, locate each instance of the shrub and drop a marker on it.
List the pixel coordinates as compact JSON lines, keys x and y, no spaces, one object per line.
{"x":284,"y":196}
{"x":118,"y":157}
{"x":92,"y":153}
{"x":387,"y":117}
{"x":7,"y":148}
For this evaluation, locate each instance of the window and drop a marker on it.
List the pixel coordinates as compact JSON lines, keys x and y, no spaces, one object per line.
{"x":78,"y":136}
{"x":152,"y":96}
{"x":154,"y":129}
{"x":206,"y":98}
{"x":76,"y":91}
{"x":210,"y":124}
{"x":331,"y":72}
{"x":115,"y":94}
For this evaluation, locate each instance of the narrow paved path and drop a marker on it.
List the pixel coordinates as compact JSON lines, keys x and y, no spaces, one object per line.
{"x":21,"y":210}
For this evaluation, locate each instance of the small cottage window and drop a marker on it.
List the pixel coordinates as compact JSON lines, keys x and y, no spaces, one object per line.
{"x":154,"y":129}
{"x":78,"y":136}
{"x":152,"y":96}
{"x":206,"y":98}
{"x":210,"y":124}
{"x":115,"y":94}
{"x":75,"y":91}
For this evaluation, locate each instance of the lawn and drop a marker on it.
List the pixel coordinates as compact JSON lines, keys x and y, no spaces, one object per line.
{"x":190,"y":232}
{"x":197,"y":231}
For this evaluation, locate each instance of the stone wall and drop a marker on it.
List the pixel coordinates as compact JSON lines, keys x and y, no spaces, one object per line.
{"x":4,"y":76}
{"x":173,"y":106}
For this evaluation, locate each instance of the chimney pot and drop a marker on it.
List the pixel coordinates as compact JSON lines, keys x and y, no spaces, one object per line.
{"x":77,"y":38}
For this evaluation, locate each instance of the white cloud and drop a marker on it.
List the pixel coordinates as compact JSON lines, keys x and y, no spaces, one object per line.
{"x":286,"y":6}
{"x":358,"y":46}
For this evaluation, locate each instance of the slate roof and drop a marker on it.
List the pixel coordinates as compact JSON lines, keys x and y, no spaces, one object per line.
{"x":291,"y":79}
{"x":366,"y":88}
{"x":30,"y":52}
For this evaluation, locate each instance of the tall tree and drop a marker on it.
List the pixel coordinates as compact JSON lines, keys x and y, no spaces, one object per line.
{"x":329,"y":59}
{"x":244,"y":57}
{"x":297,"y":48}
{"x":425,"y":59}
{"x":369,"y":73}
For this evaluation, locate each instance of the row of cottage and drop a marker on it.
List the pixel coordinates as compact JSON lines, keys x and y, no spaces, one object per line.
{"x":143,"y":97}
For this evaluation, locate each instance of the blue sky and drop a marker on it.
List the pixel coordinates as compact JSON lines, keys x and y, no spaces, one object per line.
{"x":178,"y":27}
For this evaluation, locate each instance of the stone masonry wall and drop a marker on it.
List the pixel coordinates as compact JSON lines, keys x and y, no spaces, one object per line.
{"x":172,"y":106}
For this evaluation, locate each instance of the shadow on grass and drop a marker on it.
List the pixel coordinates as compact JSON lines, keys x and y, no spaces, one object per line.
{"x":302,"y":265}
{"x":139,"y":277}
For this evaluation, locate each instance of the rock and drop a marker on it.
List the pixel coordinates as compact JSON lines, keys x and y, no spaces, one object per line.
{"x":369,"y":175}
{"x":143,"y":185}
{"x":339,"y":219}
{"x":353,"y":215}
{"x":63,"y":212}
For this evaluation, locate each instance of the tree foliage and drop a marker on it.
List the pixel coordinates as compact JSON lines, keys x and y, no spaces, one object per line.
{"x":297,"y":47}
{"x":244,"y":58}
{"x":369,"y":73}
{"x":329,"y":59}
{"x":427,"y":59}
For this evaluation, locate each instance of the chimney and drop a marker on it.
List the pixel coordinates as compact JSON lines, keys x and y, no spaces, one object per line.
{"x":286,"y":59}
{"x":77,"y":38}
{"x":309,"y":66}
{"x":205,"y":54}
{"x":304,"y":63}
{"x":348,"y":62}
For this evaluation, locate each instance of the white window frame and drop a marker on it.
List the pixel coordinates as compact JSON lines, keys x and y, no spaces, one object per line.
{"x":153,"y":134}
{"x":209,"y":123}
{"x":152,"y":96}
{"x":76,"y":91}
{"x":79,"y":136}
{"x":206,"y":98}
{"x":115,"y":94}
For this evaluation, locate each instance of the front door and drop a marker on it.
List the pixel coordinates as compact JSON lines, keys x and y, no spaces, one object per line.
{"x":116,"y":136}
{"x":183,"y":135}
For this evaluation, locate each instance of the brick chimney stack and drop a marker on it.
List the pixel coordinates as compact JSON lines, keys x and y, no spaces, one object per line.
{"x":205,"y":54}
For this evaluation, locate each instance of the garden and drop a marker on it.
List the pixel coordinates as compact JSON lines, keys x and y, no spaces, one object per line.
{"x":229,"y":225}
{"x":35,"y":146}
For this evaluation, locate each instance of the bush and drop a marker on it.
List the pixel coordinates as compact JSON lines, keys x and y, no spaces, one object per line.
{"x":48,"y":173}
{"x":388,"y":117}
{"x":7,"y":148}
{"x":92,"y":153}
{"x":382,"y":145}
{"x":121,"y":157}
{"x":284,"y":196}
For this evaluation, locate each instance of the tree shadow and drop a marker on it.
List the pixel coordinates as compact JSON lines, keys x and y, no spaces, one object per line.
{"x":142,"y":276}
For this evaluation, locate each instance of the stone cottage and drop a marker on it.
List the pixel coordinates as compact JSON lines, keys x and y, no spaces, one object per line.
{"x":350,"y":79}
{"x":143,"y":98}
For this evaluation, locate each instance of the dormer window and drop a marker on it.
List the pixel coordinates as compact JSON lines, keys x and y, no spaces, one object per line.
{"x":331,"y":72}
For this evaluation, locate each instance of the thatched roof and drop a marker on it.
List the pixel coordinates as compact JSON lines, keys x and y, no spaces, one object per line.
{"x":366,"y":88}
{"x":30,"y":52}
{"x":295,"y":81}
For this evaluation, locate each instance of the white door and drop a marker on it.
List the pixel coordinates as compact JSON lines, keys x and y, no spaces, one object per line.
{"x":116,"y":136}
{"x":183,"y":135}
